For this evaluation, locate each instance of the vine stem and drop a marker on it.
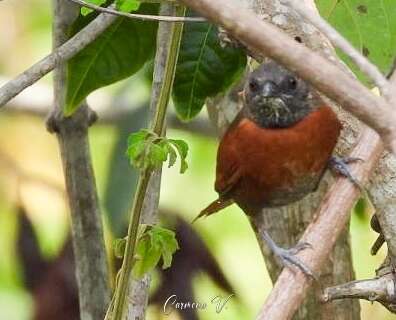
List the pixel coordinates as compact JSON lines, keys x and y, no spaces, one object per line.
{"x":158,"y":127}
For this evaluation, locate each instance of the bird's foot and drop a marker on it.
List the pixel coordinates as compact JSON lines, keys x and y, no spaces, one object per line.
{"x":287,"y":257}
{"x":340,"y":165}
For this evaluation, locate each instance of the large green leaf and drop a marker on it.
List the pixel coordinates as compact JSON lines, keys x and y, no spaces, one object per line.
{"x":204,"y":68}
{"x":370,"y":25}
{"x":116,"y":54}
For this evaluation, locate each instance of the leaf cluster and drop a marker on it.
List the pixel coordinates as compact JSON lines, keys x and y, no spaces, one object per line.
{"x":153,"y":244}
{"x":146,"y":150}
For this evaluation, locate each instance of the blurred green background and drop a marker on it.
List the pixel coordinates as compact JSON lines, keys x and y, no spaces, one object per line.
{"x":31,"y":176}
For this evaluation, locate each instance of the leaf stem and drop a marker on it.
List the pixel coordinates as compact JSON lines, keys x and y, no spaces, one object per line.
{"x":158,"y":126}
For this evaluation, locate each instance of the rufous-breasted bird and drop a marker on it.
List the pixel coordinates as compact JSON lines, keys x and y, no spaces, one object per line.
{"x":277,"y":148}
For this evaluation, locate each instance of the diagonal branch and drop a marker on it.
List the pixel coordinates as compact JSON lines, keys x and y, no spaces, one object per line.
{"x":329,"y":79}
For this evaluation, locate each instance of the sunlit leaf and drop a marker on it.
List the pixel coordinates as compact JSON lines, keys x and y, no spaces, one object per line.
{"x":127,"y":5}
{"x":85,"y":10}
{"x":147,"y":150}
{"x":368,"y":24}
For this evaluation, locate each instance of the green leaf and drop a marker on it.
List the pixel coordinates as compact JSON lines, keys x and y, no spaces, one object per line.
{"x":85,"y":10}
{"x":182,"y":148}
{"x":368,"y":24}
{"x":172,"y":155}
{"x":204,"y":68}
{"x":155,"y":243}
{"x":156,"y":156}
{"x":127,"y":5}
{"x":116,"y":54}
{"x":137,"y":144}
{"x":147,"y":258}
{"x":147,"y":150}
{"x":165,"y":241}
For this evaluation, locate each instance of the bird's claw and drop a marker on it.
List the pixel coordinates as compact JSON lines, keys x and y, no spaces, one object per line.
{"x":340,"y":165}
{"x":288,"y":258}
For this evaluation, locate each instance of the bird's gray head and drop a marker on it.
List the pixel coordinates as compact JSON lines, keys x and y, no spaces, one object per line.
{"x":275,"y":98}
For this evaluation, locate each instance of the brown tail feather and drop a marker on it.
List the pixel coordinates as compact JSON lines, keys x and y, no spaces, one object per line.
{"x":214,"y":207}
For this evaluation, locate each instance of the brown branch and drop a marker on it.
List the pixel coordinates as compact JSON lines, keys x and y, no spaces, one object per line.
{"x":329,"y":79}
{"x":381,"y":289}
{"x":86,"y":223}
{"x":323,"y":232}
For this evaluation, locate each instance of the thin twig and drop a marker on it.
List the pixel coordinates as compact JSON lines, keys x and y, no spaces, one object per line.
{"x":339,"y":41}
{"x":352,"y":95}
{"x":144,"y":17}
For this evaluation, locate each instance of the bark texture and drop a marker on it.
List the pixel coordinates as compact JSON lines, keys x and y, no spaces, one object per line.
{"x":86,"y":222}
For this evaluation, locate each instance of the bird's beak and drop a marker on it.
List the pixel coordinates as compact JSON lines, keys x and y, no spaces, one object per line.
{"x":269,"y":89}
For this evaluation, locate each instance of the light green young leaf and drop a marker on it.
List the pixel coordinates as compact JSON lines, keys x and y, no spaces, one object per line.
{"x":138,"y":136}
{"x":148,"y":257}
{"x":147,"y":150}
{"x":136,"y":147}
{"x":182,"y":148}
{"x":172,"y":155}
{"x":85,"y":11}
{"x":165,"y":241}
{"x":127,"y":5}
{"x":157,"y":155}
{"x":157,"y":242}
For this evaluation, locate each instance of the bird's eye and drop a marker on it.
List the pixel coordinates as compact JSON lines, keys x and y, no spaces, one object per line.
{"x":292,"y":83}
{"x":253,"y":85}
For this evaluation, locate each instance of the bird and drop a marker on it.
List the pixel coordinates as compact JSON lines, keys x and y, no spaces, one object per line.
{"x":277,"y":149}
